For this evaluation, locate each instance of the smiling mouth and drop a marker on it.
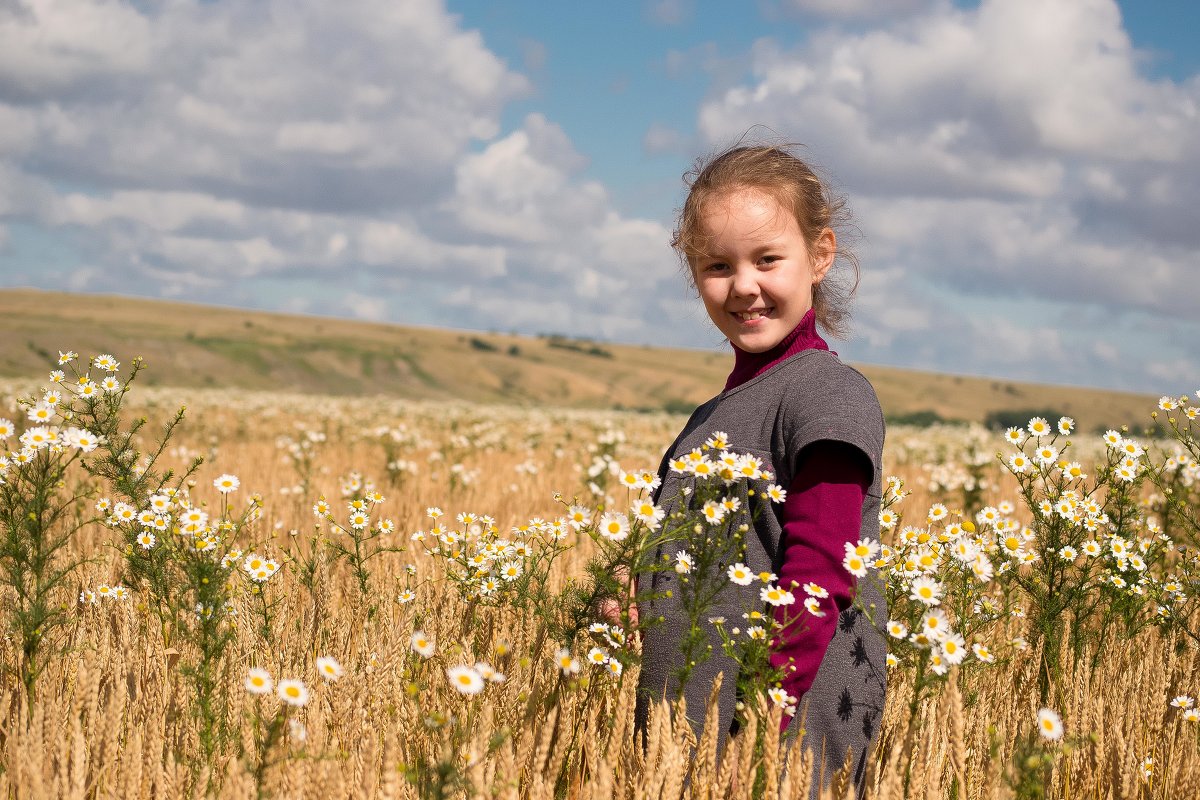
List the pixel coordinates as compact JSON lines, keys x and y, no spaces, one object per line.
{"x":750,"y":316}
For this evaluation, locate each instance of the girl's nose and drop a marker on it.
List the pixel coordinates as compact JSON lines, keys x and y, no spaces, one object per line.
{"x":745,"y":283}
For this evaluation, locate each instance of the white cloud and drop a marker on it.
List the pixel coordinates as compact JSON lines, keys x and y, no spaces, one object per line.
{"x":18,"y":131}
{"x":305,"y":104}
{"x":519,"y":186}
{"x":963,"y":97}
{"x":858,"y":9}
{"x":1013,"y":151}
{"x":886,"y":307}
{"x":221,"y":238}
{"x":360,"y":306}
{"x":160,"y":211}
{"x":83,"y":279}
{"x":295,"y":155}
{"x":1175,"y":375}
{"x":1035,"y":249}
{"x":54,"y":46}
{"x":404,"y":245}
{"x":575,"y":263}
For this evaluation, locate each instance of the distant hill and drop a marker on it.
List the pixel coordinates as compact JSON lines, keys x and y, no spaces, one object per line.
{"x":209,"y":346}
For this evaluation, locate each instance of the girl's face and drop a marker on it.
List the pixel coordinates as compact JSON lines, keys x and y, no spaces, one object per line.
{"x":758,"y":277}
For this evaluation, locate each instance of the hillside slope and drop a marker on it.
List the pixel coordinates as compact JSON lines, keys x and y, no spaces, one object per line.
{"x":208,"y":346}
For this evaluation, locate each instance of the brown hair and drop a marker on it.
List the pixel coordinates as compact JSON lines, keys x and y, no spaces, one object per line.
{"x":775,"y":171}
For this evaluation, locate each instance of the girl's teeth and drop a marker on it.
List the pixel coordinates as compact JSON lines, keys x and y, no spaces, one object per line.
{"x":751,"y":315}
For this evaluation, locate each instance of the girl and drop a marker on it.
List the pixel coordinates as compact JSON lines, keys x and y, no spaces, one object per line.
{"x":757,"y":235}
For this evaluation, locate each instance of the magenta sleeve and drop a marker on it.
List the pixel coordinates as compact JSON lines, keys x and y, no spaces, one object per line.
{"x":822,"y":512}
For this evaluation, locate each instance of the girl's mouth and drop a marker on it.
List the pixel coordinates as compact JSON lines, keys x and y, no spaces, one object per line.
{"x":754,"y":314}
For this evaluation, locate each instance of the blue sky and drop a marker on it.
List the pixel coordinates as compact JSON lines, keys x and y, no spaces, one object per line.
{"x":623,"y":58}
{"x":1024,"y":173}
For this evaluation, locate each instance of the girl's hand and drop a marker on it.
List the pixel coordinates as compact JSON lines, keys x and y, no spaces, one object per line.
{"x":610,"y":608}
{"x":610,"y":611}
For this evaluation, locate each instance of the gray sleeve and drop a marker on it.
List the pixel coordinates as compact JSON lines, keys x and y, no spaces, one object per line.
{"x":836,"y":403}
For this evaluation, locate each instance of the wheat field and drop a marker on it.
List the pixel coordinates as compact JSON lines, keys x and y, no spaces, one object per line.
{"x":112,"y":713}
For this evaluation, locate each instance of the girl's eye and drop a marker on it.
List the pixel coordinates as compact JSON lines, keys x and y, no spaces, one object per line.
{"x":769,"y":259}
{"x":719,"y":266}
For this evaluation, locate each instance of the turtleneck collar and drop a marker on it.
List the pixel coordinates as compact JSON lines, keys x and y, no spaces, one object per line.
{"x":750,"y":365}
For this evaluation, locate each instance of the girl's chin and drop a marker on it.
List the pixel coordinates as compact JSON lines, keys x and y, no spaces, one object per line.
{"x":757,"y":342}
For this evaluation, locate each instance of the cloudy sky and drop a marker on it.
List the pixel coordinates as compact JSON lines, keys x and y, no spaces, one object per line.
{"x":1025,"y":174}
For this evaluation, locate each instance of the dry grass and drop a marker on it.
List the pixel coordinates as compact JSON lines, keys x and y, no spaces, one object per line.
{"x":112,"y":718}
{"x":206,"y":346}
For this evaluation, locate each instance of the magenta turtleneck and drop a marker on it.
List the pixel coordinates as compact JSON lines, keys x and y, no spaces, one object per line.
{"x":822,"y":512}
{"x":750,"y":365}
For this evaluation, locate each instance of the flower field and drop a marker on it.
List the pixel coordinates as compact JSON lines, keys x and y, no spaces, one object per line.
{"x":211,"y":593}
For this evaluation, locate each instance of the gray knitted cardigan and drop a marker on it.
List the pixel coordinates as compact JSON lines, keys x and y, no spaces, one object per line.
{"x":809,"y":397}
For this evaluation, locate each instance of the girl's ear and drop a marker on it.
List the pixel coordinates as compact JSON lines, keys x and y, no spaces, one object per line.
{"x":824,"y":251}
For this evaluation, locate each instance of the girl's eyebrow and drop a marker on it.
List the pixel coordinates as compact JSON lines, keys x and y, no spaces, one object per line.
{"x":770,"y":244}
{"x":715,"y":253}
{"x":759,"y":249}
